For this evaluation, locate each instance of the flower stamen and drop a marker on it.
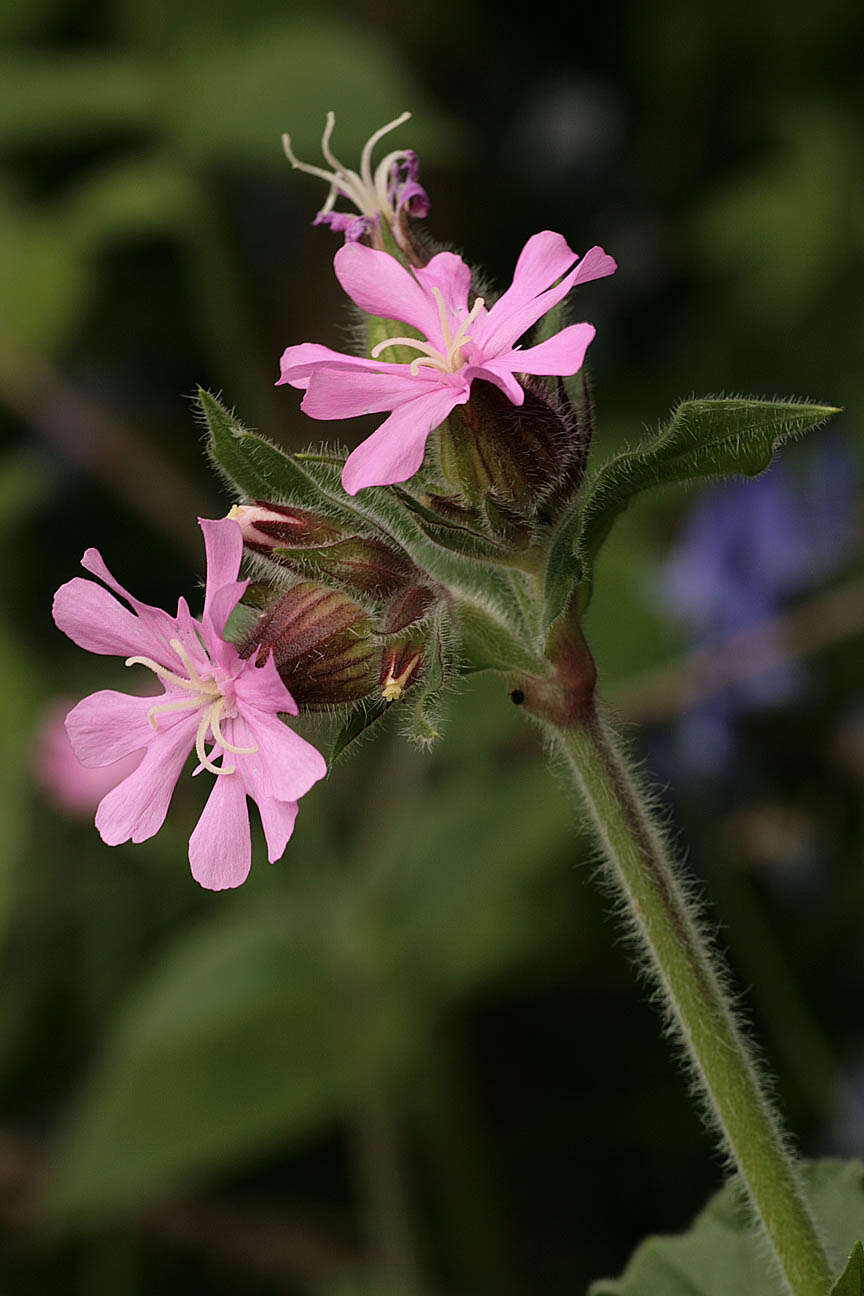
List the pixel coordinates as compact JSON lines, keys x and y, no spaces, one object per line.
{"x":449,"y":361}
{"x":368,"y":193}
{"x":207,"y":696}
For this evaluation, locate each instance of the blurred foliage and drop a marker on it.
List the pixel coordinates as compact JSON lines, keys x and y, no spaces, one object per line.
{"x":426,"y":989}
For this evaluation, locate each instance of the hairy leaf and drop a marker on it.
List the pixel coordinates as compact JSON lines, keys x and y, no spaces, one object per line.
{"x":260,"y":470}
{"x":703,"y":438}
{"x":360,"y":719}
{"x":851,"y":1281}
{"x":723,"y":1255}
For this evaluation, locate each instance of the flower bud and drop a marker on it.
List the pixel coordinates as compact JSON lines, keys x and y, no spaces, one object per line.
{"x":322,"y":644}
{"x":399,"y":668}
{"x":515,"y":453}
{"x":362,"y":563}
{"x":407,"y":608}
{"x":269,"y":527}
{"x":317,"y":548}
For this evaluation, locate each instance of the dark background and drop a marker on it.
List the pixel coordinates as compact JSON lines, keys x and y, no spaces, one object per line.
{"x":413,"y":1056}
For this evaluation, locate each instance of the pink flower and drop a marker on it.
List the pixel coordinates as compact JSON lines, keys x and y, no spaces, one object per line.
{"x":213,"y":698}
{"x":458,"y":345}
{"x":74,"y":787}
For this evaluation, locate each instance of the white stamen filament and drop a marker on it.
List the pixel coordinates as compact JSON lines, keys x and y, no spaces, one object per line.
{"x":368,"y":193}
{"x":207,"y":696}
{"x":366,"y":157}
{"x":448,"y":361}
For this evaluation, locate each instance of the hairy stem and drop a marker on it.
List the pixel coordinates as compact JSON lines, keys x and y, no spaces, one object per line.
{"x":684,"y":966}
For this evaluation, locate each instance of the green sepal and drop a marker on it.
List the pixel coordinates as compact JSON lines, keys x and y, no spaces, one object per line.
{"x":851,"y":1281}
{"x":457,"y":536}
{"x":360,"y":719}
{"x":425,"y":698}
{"x":562,"y":565}
{"x":722,"y":1254}
{"x":703,"y":438}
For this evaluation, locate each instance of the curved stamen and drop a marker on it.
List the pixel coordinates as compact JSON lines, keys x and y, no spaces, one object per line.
{"x":161,"y":671}
{"x":164,"y":707}
{"x":215,"y":725}
{"x":205,"y":758}
{"x":415,"y":344}
{"x":346,"y":182}
{"x":454,"y":354}
{"x":325,"y":145}
{"x":442,"y":316}
{"x":366,"y":156}
{"x":204,"y":685}
{"x":382,"y":175}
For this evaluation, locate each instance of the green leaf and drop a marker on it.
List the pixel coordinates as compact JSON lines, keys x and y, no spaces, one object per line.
{"x":562,"y":566}
{"x":260,"y":470}
{"x":704,"y":438}
{"x":458,"y":536}
{"x":722,"y":1254}
{"x":851,"y":1281}
{"x":361,"y":718}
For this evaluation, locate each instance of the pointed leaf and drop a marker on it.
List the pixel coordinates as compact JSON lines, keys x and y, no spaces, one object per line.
{"x":851,"y":1281}
{"x":722,"y":1254}
{"x":260,"y":470}
{"x":361,"y":718}
{"x":704,"y":438}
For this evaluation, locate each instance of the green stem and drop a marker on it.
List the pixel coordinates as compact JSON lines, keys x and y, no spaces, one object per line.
{"x":685,"y":970}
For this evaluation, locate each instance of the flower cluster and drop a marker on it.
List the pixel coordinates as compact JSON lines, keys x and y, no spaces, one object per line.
{"x":348,"y":616}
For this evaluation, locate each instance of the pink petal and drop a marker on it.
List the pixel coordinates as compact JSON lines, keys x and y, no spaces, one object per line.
{"x":285,"y":765}
{"x":562,"y":354}
{"x":507,"y":321}
{"x":137,"y":807}
{"x":74,"y":787}
{"x":161,"y":622}
{"x":93,"y":619}
{"x":501,"y":374}
{"x":449,"y":273}
{"x":394,"y":452}
{"x":595,"y":264}
{"x":339,"y":393}
{"x":301,"y":361}
{"x":498,"y":330}
{"x":107,"y":726}
{"x":223,"y":544}
{"x":379,"y":285}
{"x":220,"y":848}
{"x":543,"y":260}
{"x":277,"y":820}
{"x":262,"y":687}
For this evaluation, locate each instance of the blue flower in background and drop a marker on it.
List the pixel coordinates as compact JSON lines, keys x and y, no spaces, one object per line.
{"x":746,"y":549}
